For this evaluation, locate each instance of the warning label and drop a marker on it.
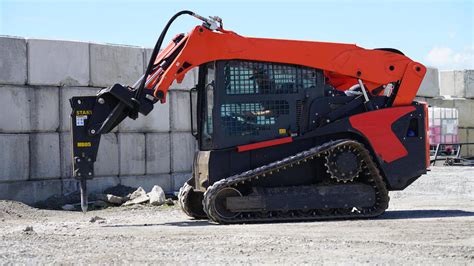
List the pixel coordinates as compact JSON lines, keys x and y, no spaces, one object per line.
{"x":80,"y":119}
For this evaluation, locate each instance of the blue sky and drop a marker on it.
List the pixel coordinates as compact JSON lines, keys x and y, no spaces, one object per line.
{"x":436,"y":33}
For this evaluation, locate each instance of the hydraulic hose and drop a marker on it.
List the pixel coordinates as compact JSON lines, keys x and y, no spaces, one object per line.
{"x":156,"y":50}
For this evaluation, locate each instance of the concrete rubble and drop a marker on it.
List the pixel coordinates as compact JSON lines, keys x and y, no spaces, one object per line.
{"x":137,"y":197}
{"x":157,"y":196}
{"x":111,"y":197}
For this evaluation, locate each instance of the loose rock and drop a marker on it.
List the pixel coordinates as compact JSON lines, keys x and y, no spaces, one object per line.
{"x":139,"y":200}
{"x":140,"y":192}
{"x":109,"y":198}
{"x":157,"y":196}
{"x":137,"y":197}
{"x":28,"y":229}
{"x":115,"y":199}
{"x":96,"y":218}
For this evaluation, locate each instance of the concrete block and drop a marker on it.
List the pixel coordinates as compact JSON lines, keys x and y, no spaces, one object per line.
{"x":156,"y":121}
{"x":132,"y":153}
{"x":421,"y":99}
{"x":12,"y":60}
{"x":430,"y":85}
{"x":469,"y":83}
{"x":458,"y":83}
{"x":112,"y":64}
{"x":52,"y":62}
{"x":178,"y":180}
{"x":30,"y":192}
{"x":107,"y":162}
{"x":96,"y":185}
{"x":180,"y":114}
{"x":99,"y":184}
{"x":65,"y":154}
{"x":451,"y":83}
{"x":466,"y":112}
{"x":470,"y":139}
{"x":45,"y":156}
{"x":183,"y":147}
{"x":440,"y":102}
{"x":14,"y":157}
{"x":158,"y":153}
{"x":15,"y":109}
{"x":65,"y":93}
{"x":148,"y":181}
{"x":146,"y":57}
{"x":44,"y":109}
{"x":446,"y":82}
{"x":462,"y":134}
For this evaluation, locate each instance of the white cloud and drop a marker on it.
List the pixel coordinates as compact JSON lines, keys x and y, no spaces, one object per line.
{"x":446,"y":58}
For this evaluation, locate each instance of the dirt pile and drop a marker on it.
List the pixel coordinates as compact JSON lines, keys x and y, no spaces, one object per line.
{"x":17,"y":210}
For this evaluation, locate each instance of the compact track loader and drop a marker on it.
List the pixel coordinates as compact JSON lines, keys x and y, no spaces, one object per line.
{"x":287,"y":130}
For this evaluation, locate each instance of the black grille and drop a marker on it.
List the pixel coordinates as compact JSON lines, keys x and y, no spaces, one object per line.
{"x":250,"y":77}
{"x":239,"y":119}
{"x":299,"y":111}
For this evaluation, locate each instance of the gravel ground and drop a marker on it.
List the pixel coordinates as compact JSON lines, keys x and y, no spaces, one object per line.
{"x":432,"y":222}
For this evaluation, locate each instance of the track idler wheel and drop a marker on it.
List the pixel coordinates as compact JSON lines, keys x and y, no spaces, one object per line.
{"x":190,"y":202}
{"x":344,"y":164}
{"x":220,"y":205}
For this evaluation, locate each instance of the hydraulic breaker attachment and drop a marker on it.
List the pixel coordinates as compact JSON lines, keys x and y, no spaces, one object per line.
{"x":84,"y":146}
{"x":95,"y":115}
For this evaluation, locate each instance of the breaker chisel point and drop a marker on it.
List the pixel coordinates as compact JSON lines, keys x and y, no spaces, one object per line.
{"x":84,"y":201}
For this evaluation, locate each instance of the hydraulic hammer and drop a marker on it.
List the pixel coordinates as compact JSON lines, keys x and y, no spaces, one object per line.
{"x":93,"y":116}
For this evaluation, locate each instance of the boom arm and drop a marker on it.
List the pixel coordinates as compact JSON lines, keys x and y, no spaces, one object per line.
{"x":373,"y":67}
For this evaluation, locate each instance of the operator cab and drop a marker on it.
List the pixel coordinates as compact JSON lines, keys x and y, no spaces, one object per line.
{"x":247,"y":101}
{"x":241,"y":102}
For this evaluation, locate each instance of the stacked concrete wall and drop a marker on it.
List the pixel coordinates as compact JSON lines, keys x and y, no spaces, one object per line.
{"x":454,"y":90}
{"x":37,"y":77}
{"x":458,"y":83}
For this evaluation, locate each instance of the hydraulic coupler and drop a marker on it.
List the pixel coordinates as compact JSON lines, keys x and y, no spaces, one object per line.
{"x":93,"y":116}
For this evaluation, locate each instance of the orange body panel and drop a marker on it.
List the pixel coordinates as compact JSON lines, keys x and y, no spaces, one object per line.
{"x":348,"y":62}
{"x":379,"y":131}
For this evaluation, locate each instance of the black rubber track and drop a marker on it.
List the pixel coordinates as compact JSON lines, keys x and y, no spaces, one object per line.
{"x":191,"y":202}
{"x":370,"y":168}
